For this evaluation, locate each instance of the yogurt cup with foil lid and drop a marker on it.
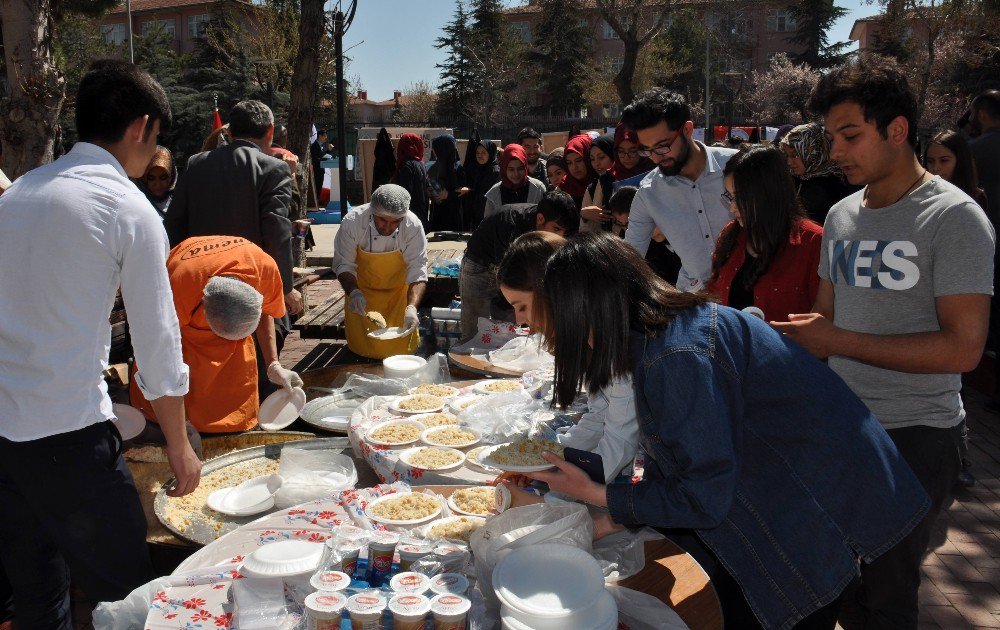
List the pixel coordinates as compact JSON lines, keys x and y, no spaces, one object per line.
{"x":330,"y":581}
{"x":410,"y":583}
{"x":450,"y":608}
{"x":325,"y":606}
{"x":450,"y":583}
{"x":409,"y":610}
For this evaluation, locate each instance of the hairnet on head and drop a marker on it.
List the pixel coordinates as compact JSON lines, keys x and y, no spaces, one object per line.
{"x":232,"y":307}
{"x":390,"y":201}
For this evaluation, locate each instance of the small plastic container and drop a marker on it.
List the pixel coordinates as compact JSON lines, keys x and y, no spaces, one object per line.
{"x":409,"y":583}
{"x":409,"y":611}
{"x":450,"y":583}
{"x":451,"y":612}
{"x":259,"y":603}
{"x":324,"y":609}
{"x":349,"y":553}
{"x":365,"y":610}
{"x":330,"y":581}
{"x":410,"y":552}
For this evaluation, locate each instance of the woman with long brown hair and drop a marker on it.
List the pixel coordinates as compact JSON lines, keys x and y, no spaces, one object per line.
{"x":949,"y":157}
{"x":759,"y":457}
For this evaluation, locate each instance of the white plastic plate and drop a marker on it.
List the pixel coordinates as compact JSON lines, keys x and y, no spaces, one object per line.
{"x":427,"y":437}
{"x":483,"y":387}
{"x":426,"y":531}
{"x":281,"y":408}
{"x":283,"y":558}
{"x":394,"y":406}
{"x":388,"y":334}
{"x":389,"y":521}
{"x":129,"y":420}
{"x":390,"y":423}
{"x":483,"y":457}
{"x":497,"y":498}
{"x":405,"y":458}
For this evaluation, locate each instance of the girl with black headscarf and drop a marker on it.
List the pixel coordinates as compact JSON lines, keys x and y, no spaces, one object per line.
{"x":481,"y":178}
{"x":447,"y":178}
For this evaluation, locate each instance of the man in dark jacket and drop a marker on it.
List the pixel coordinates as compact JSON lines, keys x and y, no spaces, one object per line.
{"x":238,"y":190}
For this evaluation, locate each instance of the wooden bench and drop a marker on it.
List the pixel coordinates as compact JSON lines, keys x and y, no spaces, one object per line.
{"x":325,"y":320}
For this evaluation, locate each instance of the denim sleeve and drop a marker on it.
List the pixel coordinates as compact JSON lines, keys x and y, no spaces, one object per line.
{"x":693,"y":403}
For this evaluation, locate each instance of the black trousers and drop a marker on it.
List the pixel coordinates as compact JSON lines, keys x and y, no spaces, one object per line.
{"x":887,"y":594}
{"x":68,"y":505}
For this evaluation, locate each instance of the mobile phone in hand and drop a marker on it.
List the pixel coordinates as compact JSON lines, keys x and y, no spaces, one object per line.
{"x":590,"y":463}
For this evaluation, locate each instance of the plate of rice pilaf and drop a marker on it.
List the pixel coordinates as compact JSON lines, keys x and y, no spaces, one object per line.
{"x":436,"y":389}
{"x":417,"y":403}
{"x":432,"y":458}
{"x":410,"y":508}
{"x":497,"y":386}
{"x":524,"y":455}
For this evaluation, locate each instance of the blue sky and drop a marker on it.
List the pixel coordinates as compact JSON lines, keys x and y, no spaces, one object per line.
{"x":398,"y":40}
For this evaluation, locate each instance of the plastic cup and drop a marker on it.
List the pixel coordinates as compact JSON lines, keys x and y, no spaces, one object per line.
{"x":349,"y":553}
{"x":381,"y":549}
{"x":330,"y":581}
{"x":410,"y":552}
{"x":409,"y":611}
{"x":324,"y":609}
{"x":365,"y":610}
{"x":450,"y":583}
{"x":451,"y":612}
{"x":409,"y":583}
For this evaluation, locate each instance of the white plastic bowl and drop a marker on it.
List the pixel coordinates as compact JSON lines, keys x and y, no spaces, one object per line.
{"x":283,"y":558}
{"x":402,"y":365}
{"x":601,"y":614}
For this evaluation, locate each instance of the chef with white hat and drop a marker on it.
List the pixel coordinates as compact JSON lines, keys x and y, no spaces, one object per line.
{"x":380,"y":258}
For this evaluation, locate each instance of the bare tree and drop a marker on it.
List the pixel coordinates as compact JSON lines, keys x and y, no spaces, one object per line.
{"x":36,"y":87}
{"x":636,"y":22}
{"x":305,"y":75}
{"x":779,"y":94}
{"x":418,"y":103}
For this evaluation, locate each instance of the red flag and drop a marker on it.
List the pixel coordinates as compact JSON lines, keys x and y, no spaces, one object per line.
{"x":216,"y":119}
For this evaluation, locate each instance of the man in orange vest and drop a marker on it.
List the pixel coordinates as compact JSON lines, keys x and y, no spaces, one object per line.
{"x":225,"y":289}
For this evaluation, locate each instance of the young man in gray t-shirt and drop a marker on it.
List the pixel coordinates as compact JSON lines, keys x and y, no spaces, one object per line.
{"x":903,"y":304}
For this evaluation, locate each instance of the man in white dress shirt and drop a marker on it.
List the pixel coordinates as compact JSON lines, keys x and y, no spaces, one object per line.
{"x":68,"y":504}
{"x":681,"y":196}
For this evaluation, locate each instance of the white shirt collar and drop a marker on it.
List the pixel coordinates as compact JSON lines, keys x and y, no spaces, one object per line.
{"x":99,"y":154}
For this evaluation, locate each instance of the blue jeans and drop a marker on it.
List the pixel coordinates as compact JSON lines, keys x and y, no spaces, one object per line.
{"x":69,"y":506}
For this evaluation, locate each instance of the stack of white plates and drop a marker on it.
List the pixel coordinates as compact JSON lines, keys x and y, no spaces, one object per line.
{"x":551,"y":586}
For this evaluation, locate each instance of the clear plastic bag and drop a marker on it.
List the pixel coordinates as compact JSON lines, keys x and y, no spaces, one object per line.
{"x":258,"y":603}
{"x":307,"y":475}
{"x":639,"y":611}
{"x":504,"y":417}
{"x":568,"y":524}
{"x":523,"y":354}
{"x":130,"y":612}
{"x":366,"y":385}
{"x":623,"y":554}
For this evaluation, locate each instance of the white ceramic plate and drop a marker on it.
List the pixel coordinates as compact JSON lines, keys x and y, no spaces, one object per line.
{"x":459,"y":405}
{"x":405,"y":458}
{"x":388,"y":334}
{"x":452,"y":391}
{"x":281,"y":408}
{"x":482,"y":387}
{"x":283,"y":559}
{"x":426,"y":532}
{"x":394,"y":406}
{"x":483,"y":458}
{"x":497,"y":497}
{"x":389,"y":521}
{"x":427,"y":437}
{"x":472,"y":459}
{"x":129,"y":420}
{"x":390,"y":423}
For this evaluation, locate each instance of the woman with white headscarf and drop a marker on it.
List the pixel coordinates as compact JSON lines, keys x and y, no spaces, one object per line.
{"x":819,"y":181}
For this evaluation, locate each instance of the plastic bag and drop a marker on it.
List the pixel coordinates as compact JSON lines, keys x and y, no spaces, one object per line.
{"x":367,"y":385}
{"x":503,"y":417}
{"x":490,"y":335}
{"x":568,"y":524}
{"x":307,"y":475}
{"x":639,"y":611}
{"x":258,"y":603}
{"x":623,"y":554}
{"x":522,"y":354}
{"x":130,"y":612}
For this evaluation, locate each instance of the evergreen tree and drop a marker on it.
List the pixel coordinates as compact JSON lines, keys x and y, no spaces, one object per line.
{"x":456,"y":90}
{"x":498,"y":58}
{"x":562,"y":49}
{"x":814,"y":19}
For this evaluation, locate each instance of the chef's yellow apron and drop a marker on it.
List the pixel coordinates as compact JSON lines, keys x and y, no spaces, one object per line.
{"x":382,"y":279}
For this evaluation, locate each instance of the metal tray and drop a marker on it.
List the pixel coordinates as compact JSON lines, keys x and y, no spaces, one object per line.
{"x":200,"y":531}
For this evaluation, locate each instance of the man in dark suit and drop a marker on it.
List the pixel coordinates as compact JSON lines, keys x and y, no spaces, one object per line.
{"x":239,"y":190}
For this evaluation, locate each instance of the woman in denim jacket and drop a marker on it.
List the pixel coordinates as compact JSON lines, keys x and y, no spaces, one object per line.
{"x":758,"y":451}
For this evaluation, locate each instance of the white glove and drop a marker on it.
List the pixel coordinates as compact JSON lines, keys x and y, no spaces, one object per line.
{"x":282,"y":377}
{"x":357,"y":302}
{"x":410,"y":319}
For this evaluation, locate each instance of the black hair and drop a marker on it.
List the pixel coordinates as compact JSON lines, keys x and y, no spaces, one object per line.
{"x":528,"y":132}
{"x":556,"y":160}
{"x":599,"y":290}
{"x":964,"y":176}
{"x":250,"y":119}
{"x":655,"y":105}
{"x":558,"y":206}
{"x":989,"y":102}
{"x":523,"y":268}
{"x":321,"y":132}
{"x":621,"y":200}
{"x":877,"y":85}
{"x":766,"y":197}
{"x":112,"y":95}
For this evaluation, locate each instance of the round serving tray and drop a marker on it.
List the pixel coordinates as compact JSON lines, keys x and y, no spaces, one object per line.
{"x":200,"y":531}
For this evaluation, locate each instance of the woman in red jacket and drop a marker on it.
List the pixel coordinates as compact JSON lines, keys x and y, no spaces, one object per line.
{"x":768,"y":256}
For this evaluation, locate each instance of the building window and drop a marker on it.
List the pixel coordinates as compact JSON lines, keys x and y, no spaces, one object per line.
{"x":167,"y":27}
{"x":114,"y":33}
{"x":616,"y":63}
{"x":197,"y":25}
{"x":780,"y":20}
{"x":523,"y":30}
{"x":609,"y":33}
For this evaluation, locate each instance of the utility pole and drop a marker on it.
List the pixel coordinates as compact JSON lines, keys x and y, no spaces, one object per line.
{"x":131,"y":49}
{"x":340,"y":26}
{"x":708,"y":80}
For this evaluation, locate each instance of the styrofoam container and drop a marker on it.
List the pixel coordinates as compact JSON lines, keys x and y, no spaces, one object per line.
{"x":402,"y":365}
{"x":283,"y":558}
{"x":548,"y":580}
